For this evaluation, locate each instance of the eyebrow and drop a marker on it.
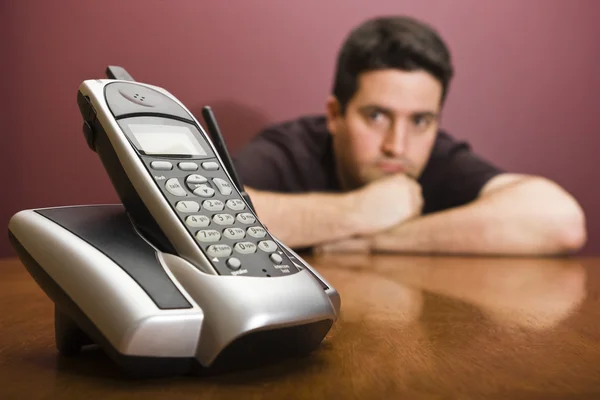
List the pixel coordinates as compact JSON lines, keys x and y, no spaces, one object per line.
{"x":389,"y":111}
{"x":430,"y":114}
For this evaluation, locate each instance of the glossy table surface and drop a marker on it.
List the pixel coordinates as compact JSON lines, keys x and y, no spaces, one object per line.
{"x":410,"y":327}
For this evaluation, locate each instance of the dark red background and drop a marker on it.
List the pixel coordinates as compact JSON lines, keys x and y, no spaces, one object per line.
{"x":524,"y":94}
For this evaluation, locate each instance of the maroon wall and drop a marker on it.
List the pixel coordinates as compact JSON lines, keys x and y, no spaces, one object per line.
{"x":524,"y":94}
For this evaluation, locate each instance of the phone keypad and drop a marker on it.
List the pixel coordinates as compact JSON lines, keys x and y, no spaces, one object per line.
{"x":227,"y":231}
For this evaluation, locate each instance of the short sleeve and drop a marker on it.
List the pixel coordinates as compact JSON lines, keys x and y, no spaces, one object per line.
{"x":454,"y":175}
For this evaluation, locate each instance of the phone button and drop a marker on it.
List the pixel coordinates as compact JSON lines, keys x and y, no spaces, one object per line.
{"x":208,"y":235}
{"x":204,"y":191}
{"x":268,"y":246}
{"x":210,"y":166}
{"x":257,"y":232}
{"x":188,"y":166}
{"x":235,"y":204}
{"x":245,"y":247}
{"x":187,"y":206}
{"x":223,"y":219}
{"x":234,"y":263}
{"x":218,"y":250}
{"x":223,"y":186}
{"x":246,"y":218}
{"x":234,"y":233}
{"x":161,"y":165}
{"x":195,"y":178}
{"x":213,"y":205}
{"x":276,"y":258}
{"x":175,"y":188}
{"x":197,"y":221}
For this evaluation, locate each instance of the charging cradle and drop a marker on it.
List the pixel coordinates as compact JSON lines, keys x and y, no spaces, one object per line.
{"x":154,"y":313}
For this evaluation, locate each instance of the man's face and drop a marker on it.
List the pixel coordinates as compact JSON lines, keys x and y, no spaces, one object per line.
{"x":389,"y":127}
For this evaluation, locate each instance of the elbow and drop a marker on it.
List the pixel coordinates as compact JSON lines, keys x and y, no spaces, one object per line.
{"x":561,"y":218}
{"x":570,"y":233}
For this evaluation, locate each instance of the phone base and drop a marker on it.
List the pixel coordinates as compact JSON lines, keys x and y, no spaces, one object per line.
{"x":206,"y":324}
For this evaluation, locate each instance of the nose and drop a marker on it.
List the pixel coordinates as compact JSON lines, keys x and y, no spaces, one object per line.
{"x":394,"y":142}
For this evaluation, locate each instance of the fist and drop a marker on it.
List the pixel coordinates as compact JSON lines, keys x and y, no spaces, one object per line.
{"x":386,"y":202}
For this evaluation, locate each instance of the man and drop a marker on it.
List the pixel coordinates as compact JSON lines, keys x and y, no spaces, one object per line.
{"x":377,"y":173}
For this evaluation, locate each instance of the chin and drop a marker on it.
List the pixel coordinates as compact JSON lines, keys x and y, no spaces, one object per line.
{"x":371,"y":176}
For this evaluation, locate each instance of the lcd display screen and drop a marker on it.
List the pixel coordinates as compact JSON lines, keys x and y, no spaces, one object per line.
{"x":166,"y":140}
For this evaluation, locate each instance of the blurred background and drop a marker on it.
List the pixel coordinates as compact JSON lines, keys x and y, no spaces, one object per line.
{"x":523,"y":96}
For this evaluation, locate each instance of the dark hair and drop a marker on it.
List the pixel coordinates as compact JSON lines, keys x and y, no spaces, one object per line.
{"x":390,"y":42}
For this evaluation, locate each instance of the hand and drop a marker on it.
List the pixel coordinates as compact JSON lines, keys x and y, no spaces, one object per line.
{"x":385,"y":203}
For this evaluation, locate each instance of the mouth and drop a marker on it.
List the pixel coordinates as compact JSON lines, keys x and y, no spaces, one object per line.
{"x":390,"y":167}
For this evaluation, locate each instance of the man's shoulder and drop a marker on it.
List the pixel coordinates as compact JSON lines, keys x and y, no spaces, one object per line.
{"x":293,"y":155}
{"x":446,"y":144}
{"x":308,"y":129}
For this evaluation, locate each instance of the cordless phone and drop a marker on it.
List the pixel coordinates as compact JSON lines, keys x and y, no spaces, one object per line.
{"x":179,"y":189}
{"x":181,"y":276}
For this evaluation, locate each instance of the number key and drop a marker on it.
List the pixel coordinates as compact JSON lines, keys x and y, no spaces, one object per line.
{"x":187,"y":206}
{"x":234,"y":233}
{"x":257,"y":232}
{"x":213,"y":205}
{"x":208,"y":235}
{"x":246,"y":218}
{"x":235,"y":204}
{"x":197,"y":221}
{"x":245,"y":247}
{"x":223,"y":219}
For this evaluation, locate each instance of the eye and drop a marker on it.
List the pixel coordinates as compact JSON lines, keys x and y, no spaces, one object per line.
{"x":377,"y":118}
{"x":375,"y":115}
{"x":422,"y":121}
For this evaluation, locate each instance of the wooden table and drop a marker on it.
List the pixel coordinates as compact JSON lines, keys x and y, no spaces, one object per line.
{"x":411,"y":327}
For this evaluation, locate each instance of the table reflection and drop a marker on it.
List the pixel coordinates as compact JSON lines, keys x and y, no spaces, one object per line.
{"x":534,"y":293}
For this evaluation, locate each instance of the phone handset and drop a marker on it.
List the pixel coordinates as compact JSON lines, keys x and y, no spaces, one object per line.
{"x":179,"y":187}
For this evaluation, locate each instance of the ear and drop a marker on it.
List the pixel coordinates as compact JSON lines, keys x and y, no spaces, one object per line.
{"x":333,"y":114}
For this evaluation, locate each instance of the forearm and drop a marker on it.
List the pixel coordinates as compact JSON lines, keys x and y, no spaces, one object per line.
{"x":307,"y":219}
{"x":533,"y":217}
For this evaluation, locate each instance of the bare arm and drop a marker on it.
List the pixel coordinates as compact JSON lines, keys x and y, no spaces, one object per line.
{"x":517,"y":215}
{"x":307,"y":219}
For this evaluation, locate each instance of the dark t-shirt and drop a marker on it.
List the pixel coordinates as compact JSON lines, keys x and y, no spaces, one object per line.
{"x":297,"y":156}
